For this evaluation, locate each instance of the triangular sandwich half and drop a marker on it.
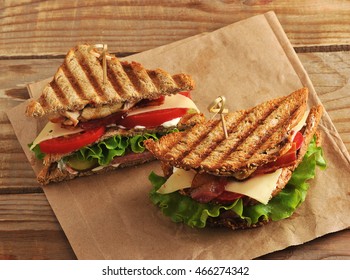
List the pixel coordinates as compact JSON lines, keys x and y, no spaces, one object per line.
{"x":226,"y":182}
{"x":98,"y":122}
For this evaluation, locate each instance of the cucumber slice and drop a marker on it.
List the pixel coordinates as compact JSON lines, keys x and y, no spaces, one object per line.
{"x":81,"y":165}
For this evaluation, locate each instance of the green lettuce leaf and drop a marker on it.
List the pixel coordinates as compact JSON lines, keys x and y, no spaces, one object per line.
{"x":110,"y":148}
{"x":38,"y":153}
{"x":182,"y":208}
{"x":106,"y":150}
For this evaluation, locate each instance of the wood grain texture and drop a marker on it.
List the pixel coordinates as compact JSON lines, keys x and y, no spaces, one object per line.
{"x":330,"y":75}
{"x":26,"y":212}
{"x":29,"y":229}
{"x":35,"y":245}
{"x":329,"y":247}
{"x":32,"y":27}
{"x":28,"y":226}
{"x":16,"y":174}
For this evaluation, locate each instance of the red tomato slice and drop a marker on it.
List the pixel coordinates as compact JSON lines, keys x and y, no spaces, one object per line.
{"x":227,"y":197}
{"x":186,"y":93}
{"x":117,"y":118}
{"x":298,"y":140}
{"x":152,"y":119}
{"x":288,"y":158}
{"x":62,"y":145}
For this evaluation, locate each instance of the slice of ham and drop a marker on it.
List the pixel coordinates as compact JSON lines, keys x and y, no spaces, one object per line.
{"x":132,"y":158}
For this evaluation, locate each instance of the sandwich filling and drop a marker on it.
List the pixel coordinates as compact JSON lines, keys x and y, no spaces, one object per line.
{"x":112,"y":143}
{"x":240,"y":214}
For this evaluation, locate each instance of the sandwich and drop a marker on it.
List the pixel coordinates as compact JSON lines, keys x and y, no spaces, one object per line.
{"x":100,"y":110}
{"x":256,"y":175}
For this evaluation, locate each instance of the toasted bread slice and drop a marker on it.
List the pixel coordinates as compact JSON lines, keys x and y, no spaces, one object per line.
{"x":52,"y":173}
{"x":255,"y":137}
{"x":78,"y":82}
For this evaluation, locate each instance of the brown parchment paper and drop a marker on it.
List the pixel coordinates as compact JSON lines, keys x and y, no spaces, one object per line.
{"x":109,"y":216}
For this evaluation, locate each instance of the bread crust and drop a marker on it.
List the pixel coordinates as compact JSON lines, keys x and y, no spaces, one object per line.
{"x":52,"y":174}
{"x":79,"y":82}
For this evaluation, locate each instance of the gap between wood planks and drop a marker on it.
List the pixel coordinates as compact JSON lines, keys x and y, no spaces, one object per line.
{"x":304,"y":49}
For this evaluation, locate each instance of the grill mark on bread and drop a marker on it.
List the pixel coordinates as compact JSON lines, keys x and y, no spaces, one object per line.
{"x":141,"y":80}
{"x":252,"y":120}
{"x":110,"y":76}
{"x":186,"y":144}
{"x":77,"y":90}
{"x":86,"y":91}
{"x":43,"y":101}
{"x":238,"y":158}
{"x":261,"y":127}
{"x":126,"y":82}
{"x":281,"y":136}
{"x":223,"y":148}
{"x":136,"y":83}
{"x":162,"y":81}
{"x":121,"y":80}
{"x":59,"y":93}
{"x":213,"y":139}
{"x":90,"y":76}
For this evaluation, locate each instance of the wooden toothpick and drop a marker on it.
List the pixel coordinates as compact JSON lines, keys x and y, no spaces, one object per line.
{"x":218,"y":107}
{"x":95,"y":50}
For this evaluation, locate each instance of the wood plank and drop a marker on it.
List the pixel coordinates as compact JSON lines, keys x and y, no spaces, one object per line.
{"x":330,"y":74}
{"x":16,"y":174}
{"x":40,"y":27}
{"x":35,"y":245}
{"x":23,"y":212}
{"x":17,"y":73}
{"x":333,"y":246}
{"x":29,"y":229}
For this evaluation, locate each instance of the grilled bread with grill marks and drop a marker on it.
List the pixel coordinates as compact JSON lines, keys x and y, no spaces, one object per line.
{"x":79,"y":83}
{"x":255,"y":137}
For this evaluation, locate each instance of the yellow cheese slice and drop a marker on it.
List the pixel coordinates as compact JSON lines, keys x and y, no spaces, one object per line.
{"x":53,"y":130}
{"x":259,"y":187}
{"x":172,"y":101}
{"x":180,"y":179}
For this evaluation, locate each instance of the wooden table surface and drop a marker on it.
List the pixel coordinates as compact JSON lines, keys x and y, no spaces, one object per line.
{"x":35,"y":35}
